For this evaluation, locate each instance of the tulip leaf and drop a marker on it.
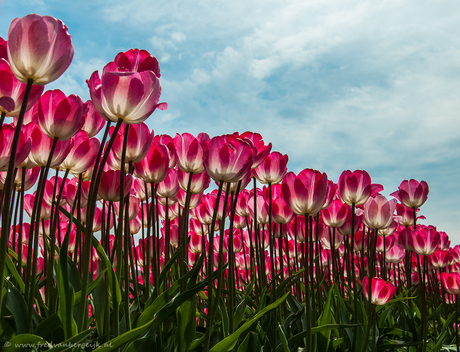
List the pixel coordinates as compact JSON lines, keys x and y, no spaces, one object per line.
{"x":229,"y":342}
{"x":17,"y":306}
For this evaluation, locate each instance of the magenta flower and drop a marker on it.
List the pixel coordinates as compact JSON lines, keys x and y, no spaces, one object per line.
{"x":189,"y":152}
{"x":82,"y":155}
{"x":138,"y":144}
{"x":129,"y":96}
{"x":261,"y":150}
{"x":199,"y":182}
{"x":412,"y":194}
{"x":228,"y":161}
{"x":378,"y":212}
{"x":93,"y":122}
{"x":155,"y":166}
{"x":135,"y":60}
{"x":355,"y":187}
{"x":424,"y":240}
{"x":39,"y":48}
{"x":381,"y":292}
{"x":272,"y":169}
{"x":12,"y":91}
{"x":281,"y":212}
{"x":336,"y":214}
{"x":305,"y":193}
{"x":109,"y":188}
{"x":169,"y":187}
{"x":451,"y":282}
{"x":60,"y":116}
{"x":6,"y":140}
{"x":3,"y":49}
{"x":42,"y":146}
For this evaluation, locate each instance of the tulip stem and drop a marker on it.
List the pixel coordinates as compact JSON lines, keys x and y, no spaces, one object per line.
{"x":92,"y":198}
{"x":209,"y":315}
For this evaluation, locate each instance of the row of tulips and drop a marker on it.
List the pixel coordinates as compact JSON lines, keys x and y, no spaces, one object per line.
{"x":283,"y":266}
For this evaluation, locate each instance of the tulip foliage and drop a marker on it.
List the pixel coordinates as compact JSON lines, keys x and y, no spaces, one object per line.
{"x":112,"y":238}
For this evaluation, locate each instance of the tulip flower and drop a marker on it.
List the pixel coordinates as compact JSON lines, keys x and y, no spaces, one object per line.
{"x":336,"y":214}
{"x":272,"y":169}
{"x":138,"y":143}
{"x":189,"y":152}
{"x":261,"y":150}
{"x":424,"y":240}
{"x":129,"y":96}
{"x":355,"y":187}
{"x":381,"y":292}
{"x":93,"y":122}
{"x":136,"y":60}
{"x":12,"y":92}
{"x":305,"y":193}
{"x":39,"y":48}
{"x":378,"y":212}
{"x":451,"y":282}
{"x":42,"y":148}
{"x":6,"y":139}
{"x":169,"y":187}
{"x":155,"y":166}
{"x":412,"y":194}
{"x":198,"y":184}
{"x":281,"y":212}
{"x":3,"y":49}
{"x":82,"y":155}
{"x":228,"y":161}
{"x":109,"y":188}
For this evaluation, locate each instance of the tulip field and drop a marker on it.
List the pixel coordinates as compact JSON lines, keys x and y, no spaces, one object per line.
{"x":114,"y":239}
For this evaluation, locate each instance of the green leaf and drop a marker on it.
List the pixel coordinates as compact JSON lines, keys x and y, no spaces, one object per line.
{"x":249,"y":344}
{"x":47,"y":326}
{"x":12,"y":268}
{"x":75,"y":341}
{"x":228,"y":343}
{"x":16,"y":304}
{"x":284,"y":341}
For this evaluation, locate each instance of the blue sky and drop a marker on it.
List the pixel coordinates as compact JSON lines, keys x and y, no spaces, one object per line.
{"x":334,"y":84}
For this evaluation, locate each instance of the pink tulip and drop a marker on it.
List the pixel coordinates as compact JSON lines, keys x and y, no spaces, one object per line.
{"x":412,"y":194}
{"x":272,"y":169}
{"x":395,"y":254}
{"x":93,"y":122}
{"x":378,"y":212}
{"x":6,"y":140}
{"x":30,"y":177}
{"x":39,"y":48}
{"x":424,"y":240}
{"x":336,"y":214}
{"x":355,"y":187}
{"x":406,"y":215}
{"x":228,"y":159}
{"x":169,"y":187}
{"x":129,"y":96}
{"x":440,"y":259}
{"x":297,"y":229}
{"x":12,"y":92}
{"x":281,"y":212}
{"x":261,"y":150}
{"x":135,"y":60}
{"x":381,"y":292}
{"x":346,"y":229}
{"x":451,"y":282}
{"x":82,"y":155}
{"x":242,"y":204}
{"x":195,"y":199}
{"x":28,"y":206}
{"x":3,"y":49}
{"x":305,"y":193}
{"x":155,"y":166}
{"x":72,"y":190}
{"x":199,"y":182}
{"x":138,"y":144}
{"x":168,"y":141}
{"x":42,"y":148}
{"x":109,"y":188}
{"x":59,"y":116}
{"x":189,"y":152}
{"x":262,"y":209}
{"x":133,"y":209}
